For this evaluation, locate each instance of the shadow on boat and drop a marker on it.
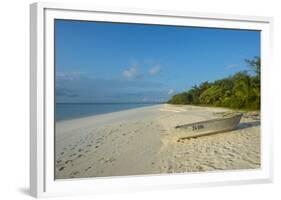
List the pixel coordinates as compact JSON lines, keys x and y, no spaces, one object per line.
{"x":244,"y":125}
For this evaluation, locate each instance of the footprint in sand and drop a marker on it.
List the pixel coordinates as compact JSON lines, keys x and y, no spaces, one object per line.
{"x":231,"y":155}
{"x":75,"y":173}
{"x":68,"y":161}
{"x":62,"y":168}
{"x":88,"y":168}
{"x":110,"y":160}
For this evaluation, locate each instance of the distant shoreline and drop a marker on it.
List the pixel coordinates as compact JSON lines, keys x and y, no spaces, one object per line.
{"x":147,"y":106}
{"x":69,"y":111}
{"x":213,"y":106}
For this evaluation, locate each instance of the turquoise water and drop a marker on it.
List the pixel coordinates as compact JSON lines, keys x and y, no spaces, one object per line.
{"x":66,"y":111}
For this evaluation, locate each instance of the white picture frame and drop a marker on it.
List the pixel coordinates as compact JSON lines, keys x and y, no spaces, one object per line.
{"x":42,"y":182}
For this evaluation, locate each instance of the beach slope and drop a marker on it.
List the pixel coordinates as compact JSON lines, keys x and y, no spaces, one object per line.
{"x":141,"y":141}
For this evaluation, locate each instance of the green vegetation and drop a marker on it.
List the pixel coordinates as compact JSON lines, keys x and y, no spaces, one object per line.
{"x":239,"y":91}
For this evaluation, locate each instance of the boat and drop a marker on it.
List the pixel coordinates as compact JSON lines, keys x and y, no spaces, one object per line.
{"x":202,"y":128}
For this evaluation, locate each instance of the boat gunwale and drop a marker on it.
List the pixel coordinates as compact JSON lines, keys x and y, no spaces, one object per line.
{"x":209,"y":121}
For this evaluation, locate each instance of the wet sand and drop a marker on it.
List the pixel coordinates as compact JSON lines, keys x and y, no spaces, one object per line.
{"x":140,"y":141}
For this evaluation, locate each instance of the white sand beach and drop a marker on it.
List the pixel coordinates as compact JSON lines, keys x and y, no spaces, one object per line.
{"x":140,"y":141}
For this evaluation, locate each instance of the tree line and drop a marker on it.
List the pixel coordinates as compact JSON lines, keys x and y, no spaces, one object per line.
{"x":239,"y":91}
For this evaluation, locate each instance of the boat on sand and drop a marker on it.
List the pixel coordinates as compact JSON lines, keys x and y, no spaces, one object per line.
{"x":197,"y":129}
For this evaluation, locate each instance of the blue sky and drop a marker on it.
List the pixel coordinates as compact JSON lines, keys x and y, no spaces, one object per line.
{"x":115,"y":62}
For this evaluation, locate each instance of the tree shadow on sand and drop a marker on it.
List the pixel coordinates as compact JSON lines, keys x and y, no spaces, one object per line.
{"x":244,"y":125}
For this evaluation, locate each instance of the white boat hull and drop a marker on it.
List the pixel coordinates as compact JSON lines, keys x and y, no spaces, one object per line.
{"x":207,"y":127}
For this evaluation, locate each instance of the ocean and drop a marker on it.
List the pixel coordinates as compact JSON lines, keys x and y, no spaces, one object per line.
{"x":65,"y":111}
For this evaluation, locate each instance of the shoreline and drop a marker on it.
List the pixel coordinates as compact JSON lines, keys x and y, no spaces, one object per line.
{"x":177,"y":105}
{"x":140,"y":141}
{"x":94,"y":115}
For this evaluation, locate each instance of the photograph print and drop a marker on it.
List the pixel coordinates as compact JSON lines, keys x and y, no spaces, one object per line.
{"x":142,"y":99}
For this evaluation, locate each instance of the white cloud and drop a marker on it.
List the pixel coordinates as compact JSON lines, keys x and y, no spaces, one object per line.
{"x":171,"y":91}
{"x":154,"y":70}
{"x":68,"y":76}
{"x":231,"y":66}
{"x":131,"y":72}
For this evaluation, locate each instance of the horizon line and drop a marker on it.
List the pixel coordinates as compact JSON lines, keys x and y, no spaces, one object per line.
{"x":111,"y":102}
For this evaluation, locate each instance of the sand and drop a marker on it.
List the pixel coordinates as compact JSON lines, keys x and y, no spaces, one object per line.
{"x":140,"y":141}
